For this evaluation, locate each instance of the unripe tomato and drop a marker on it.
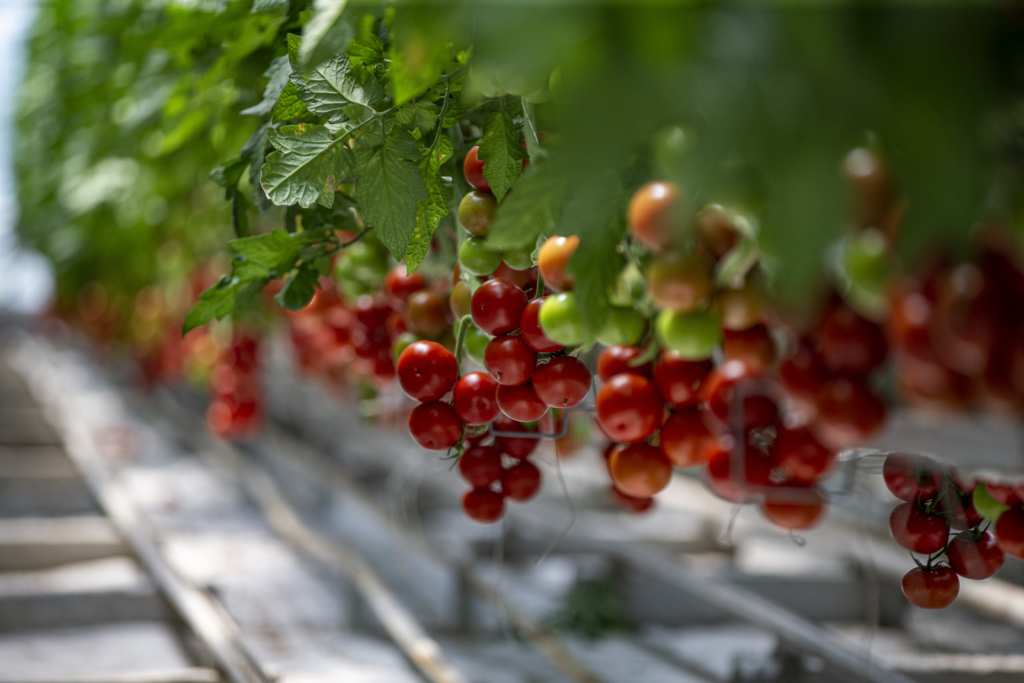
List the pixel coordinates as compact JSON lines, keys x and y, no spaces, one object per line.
{"x":552,"y":260}
{"x":917,"y":531}
{"x":693,"y":336}
{"x":686,"y":439}
{"x":517,"y":447}
{"x":974,"y":556}
{"x":461,"y":300}
{"x":624,"y":501}
{"x":531,"y":331}
{"x":520,"y":260}
{"x":427,"y":313}
{"x":652,"y":214}
{"x":679,"y":381}
{"x":560,"y":319}
{"x":427,"y":371}
{"x":640,"y":469}
{"x":911,"y":477}
{"x":474,"y":400}
{"x":618,"y":359}
{"x":509,"y":360}
{"x":481,"y":465}
{"x":476,"y":259}
{"x":933,"y":588}
{"x":435,"y":426}
{"x":399,"y":283}
{"x":475,"y":343}
{"x":793,"y":507}
{"x":679,"y":282}
{"x":741,"y":308}
{"x":476,"y":212}
{"x":562,"y":382}
{"x":521,"y":403}
{"x":717,"y":229}
{"x":400,"y":344}
{"x":629,"y":407}
{"x":624,"y":326}
{"x":498,"y":306}
{"x":473,"y":169}
{"x":521,"y":481}
{"x":800,"y":454}
{"x":483,"y":505}
{"x":987,"y":506}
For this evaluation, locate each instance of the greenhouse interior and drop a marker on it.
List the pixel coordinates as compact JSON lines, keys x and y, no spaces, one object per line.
{"x":511,"y":342}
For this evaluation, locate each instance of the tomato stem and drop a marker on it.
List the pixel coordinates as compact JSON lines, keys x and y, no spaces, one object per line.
{"x":460,"y":341}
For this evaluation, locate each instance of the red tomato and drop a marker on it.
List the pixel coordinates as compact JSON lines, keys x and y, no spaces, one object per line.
{"x":498,"y":306}
{"x":435,"y":426}
{"x":562,"y":382}
{"x":680,"y":380}
{"x":531,"y":332}
{"x":1009,"y":530}
{"x":630,"y":503}
{"x":509,"y":360}
{"x":483,"y":505}
{"x":911,"y":477}
{"x":686,"y":440}
{"x":399,"y":284}
{"x":473,"y":169}
{"x":847,"y":413}
{"x":481,"y":465}
{"x":511,"y":445}
{"x":802,"y":374}
{"x":629,"y":407}
{"x":723,"y":386}
{"x":732,"y":484}
{"x":918,"y":531}
{"x":617,"y":359}
{"x":975,"y":557}
{"x":521,"y":403}
{"x":850,"y":343}
{"x":427,"y":371}
{"x":800,"y":454}
{"x":640,"y":469}
{"x":474,"y":398}
{"x":753,"y":346}
{"x":794,"y":507}
{"x":931,"y":589}
{"x":521,"y":481}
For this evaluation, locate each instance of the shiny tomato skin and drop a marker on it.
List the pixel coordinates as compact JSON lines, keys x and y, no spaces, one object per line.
{"x":640,"y":469}
{"x":974,"y":557}
{"x":427,"y":371}
{"x":435,"y":426}
{"x":509,"y":360}
{"x":686,"y":440}
{"x":521,"y":481}
{"x":483,"y":505}
{"x":427,"y":313}
{"x":911,"y":477}
{"x":498,"y":306}
{"x":801,"y":455}
{"x":794,"y":507}
{"x":531,"y":331}
{"x":629,"y":407}
{"x":553,"y":261}
{"x":680,"y":380}
{"x":753,"y":346}
{"x":473,"y":169}
{"x":521,"y":403}
{"x":918,"y":531}
{"x":931,"y":589}
{"x":480,"y":466}
{"x":618,"y":359}
{"x":474,"y":400}
{"x":476,"y":212}
{"x":650,"y":214}
{"x":562,"y":382}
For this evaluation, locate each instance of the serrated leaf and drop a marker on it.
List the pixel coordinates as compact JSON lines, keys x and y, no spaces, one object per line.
{"x":264,"y":5}
{"x":306,"y":166}
{"x":289,"y":105}
{"x":277,"y":78}
{"x":364,"y":53}
{"x":501,"y":153}
{"x":298,"y":291}
{"x":216,"y":302}
{"x":532,"y":210}
{"x":252,"y":151}
{"x":327,"y":88}
{"x":270,"y":255}
{"x":388,"y":187}
{"x":422,"y":115}
{"x":431,"y":210}
{"x":326,"y":34}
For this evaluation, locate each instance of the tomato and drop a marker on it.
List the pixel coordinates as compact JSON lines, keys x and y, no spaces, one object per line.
{"x":399,"y":283}
{"x":401,"y":343}
{"x":474,"y":400}
{"x":629,"y":407}
{"x":475,"y":343}
{"x":986,"y":505}
{"x":520,"y":260}
{"x":617,"y":359}
{"x":521,"y":481}
{"x":850,"y":343}
{"x":975,"y":557}
{"x":640,"y":469}
{"x":427,"y":313}
{"x":435,"y":426}
{"x":741,"y":308}
{"x":722,"y":389}
{"x":473,"y":169}
{"x":498,"y":306}
{"x":624,"y":326}
{"x":933,"y":588}
{"x":461,"y":300}
{"x":476,"y":212}
{"x":481,"y":465}
{"x":521,"y":403}
{"x":686,"y":440}
{"x":517,"y":447}
{"x":753,"y":346}
{"x":427,"y":371}
{"x":800,"y":454}
{"x":733,"y":484}
{"x":868,"y":180}
{"x":678,"y":380}
{"x":716,"y":228}
{"x":909,"y":319}
{"x":911,"y":477}
{"x":371,"y":312}
{"x":1010,"y":532}
{"x":552,"y":260}
{"x":652,"y":214}
{"x":793,"y":507}
{"x":483,"y":505}
{"x":918,"y":531}
{"x":802,"y":374}
{"x":509,"y":360}
{"x":562,"y":382}
{"x":475,"y":258}
{"x":634,"y":504}
{"x":847,"y":413}
{"x":532,"y":332}
{"x":693,"y":336}
{"x":560,"y":319}
{"x":524,"y":279}
{"x":679,"y":282}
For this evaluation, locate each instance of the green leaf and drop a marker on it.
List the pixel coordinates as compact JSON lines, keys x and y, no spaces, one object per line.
{"x":329,"y":87}
{"x":239,"y":218}
{"x":325,"y":34}
{"x":252,"y":151}
{"x":364,"y":53}
{"x":532,"y":210}
{"x":431,"y":210}
{"x":289,"y":106}
{"x":227,"y":175}
{"x":417,"y":63}
{"x":216,"y":302}
{"x":264,"y":5}
{"x":422,"y":115}
{"x":265,"y":256}
{"x":277,"y":78}
{"x":298,"y":291}
{"x":501,"y":152}
{"x":306,"y":166}
{"x":388,"y":187}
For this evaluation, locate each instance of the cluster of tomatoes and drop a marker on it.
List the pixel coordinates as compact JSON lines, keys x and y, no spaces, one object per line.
{"x":235,"y":409}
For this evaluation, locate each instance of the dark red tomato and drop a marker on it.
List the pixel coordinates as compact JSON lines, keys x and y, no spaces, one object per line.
{"x":732,"y":484}
{"x":525,"y":279}
{"x":847,"y":413}
{"x":509,"y":360}
{"x":723,"y":387}
{"x":481,"y":465}
{"x":396,"y":325}
{"x":753,"y":346}
{"x":510,"y":445}
{"x":933,"y":588}
{"x":800,"y":454}
{"x":372,"y":313}
{"x":1009,"y":530}
{"x":629,"y":407}
{"x":521,"y":403}
{"x":383,"y":366}
{"x":531,"y":332}
{"x":974,"y":557}
{"x":473,"y":169}
{"x":640,"y":469}
{"x":909,"y":319}
{"x":802,"y":374}
{"x":1003,"y":493}
{"x":794,"y":507}
{"x":651,"y":213}
{"x":244,"y":352}
{"x":521,"y":481}
{"x":850,"y":343}
{"x":686,"y":440}
{"x":474,"y":398}
{"x":427,"y":371}
{"x":498,"y":306}
{"x":679,"y":381}
{"x":966,"y":319}
{"x":616,"y":359}
{"x":911,"y":477}
{"x":917,"y":530}
{"x":634,"y":504}
{"x":399,"y":284}
{"x":562,"y":382}
{"x":483,"y":505}
{"x":435,"y":426}
{"x":427,"y":313}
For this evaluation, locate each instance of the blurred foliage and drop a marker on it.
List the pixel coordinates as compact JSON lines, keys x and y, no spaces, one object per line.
{"x":594,"y":609}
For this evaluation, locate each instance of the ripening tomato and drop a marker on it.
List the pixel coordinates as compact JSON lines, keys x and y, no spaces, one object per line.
{"x":498,"y":306}
{"x":483,"y":505}
{"x":933,"y":588}
{"x":481,"y":465}
{"x":427,"y":371}
{"x":640,"y":469}
{"x":435,"y":426}
{"x":623,"y":326}
{"x":476,"y":258}
{"x":652,"y":214}
{"x":531,"y":331}
{"x":560,"y":319}
{"x":474,"y":399}
{"x":717,"y":229}
{"x":562,"y":382}
{"x":509,"y":360}
{"x":461,"y":300}
{"x":680,"y":282}
{"x":753,"y":346}
{"x":686,"y":439}
{"x":975,"y":556}
{"x":521,"y":481}
{"x":473,"y":169}
{"x":794,"y":507}
{"x":553,"y":260}
{"x":692,"y":336}
{"x":476,"y":212}
{"x":427,"y":313}
{"x":741,"y":308}
{"x":617,"y":359}
{"x":918,"y":531}
{"x":680,"y":380}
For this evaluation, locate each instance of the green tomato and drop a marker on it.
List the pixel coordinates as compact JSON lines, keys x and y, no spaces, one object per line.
{"x":865,"y":260}
{"x":517,"y":260}
{"x":475,"y":343}
{"x":477,"y":260}
{"x":560,"y":319}
{"x":624,"y":326}
{"x":987,"y":506}
{"x":693,"y":335}
{"x":401,"y":343}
